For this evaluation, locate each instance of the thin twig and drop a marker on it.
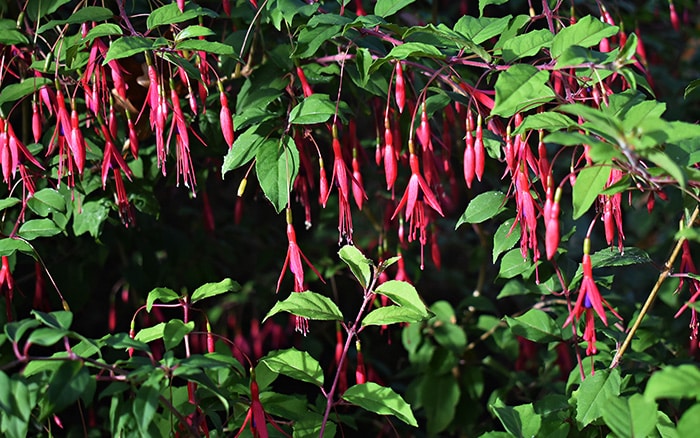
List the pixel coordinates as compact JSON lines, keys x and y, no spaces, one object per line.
{"x":652,"y":295}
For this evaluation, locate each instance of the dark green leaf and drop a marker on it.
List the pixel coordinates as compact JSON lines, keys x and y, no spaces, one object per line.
{"x":691,"y":88}
{"x":82,"y":15}
{"x":589,"y":183}
{"x":358,"y":264}
{"x":59,"y":319}
{"x":513,"y":263}
{"x":520,"y":88}
{"x":46,"y":336}
{"x":311,"y":39}
{"x":8,"y":246}
{"x":484,"y":206}
{"x":144,"y":407}
{"x":308,"y":305}
{"x":162,"y":294}
{"x":296,"y":364}
{"x":520,"y":421}
{"x":595,"y":392}
{"x":39,"y":9}
{"x":439,"y":396}
{"x":385,"y":8}
{"x":536,"y":326}
{"x":46,"y":201}
{"x":505,"y":237}
{"x":174,"y":332}
{"x":380,"y":400}
{"x":170,"y":14}
{"x":67,"y":384}
{"x":244,"y":148}
{"x":484,"y":3}
{"x":193,"y":31}
{"x":214,"y":289}
{"x":15,"y":329}
{"x":481,"y":29}
{"x":14,"y":92}
{"x":127,"y":46}
{"x":277,"y":165}
{"x":34,"y":228}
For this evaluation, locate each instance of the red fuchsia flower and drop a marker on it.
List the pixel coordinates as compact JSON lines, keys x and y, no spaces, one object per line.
{"x":479,"y":152}
{"x":688,"y":267}
{"x":400,"y":90}
{"x":415,"y":197}
{"x":256,"y":418}
{"x":126,"y":213}
{"x":225,"y":117}
{"x":360,"y":371}
{"x":305,"y":87}
{"x":552,"y":234}
{"x":589,"y":299}
{"x":37,"y":123}
{"x":390,"y":158}
{"x":469,"y":160}
{"x":526,"y":214}
{"x":341,"y":178}
{"x":7,"y":285}
{"x":612,"y":211}
{"x":293,"y":259}
{"x":12,"y":151}
{"x":358,"y":192}
{"x":423,"y":131}
{"x":111,"y":158}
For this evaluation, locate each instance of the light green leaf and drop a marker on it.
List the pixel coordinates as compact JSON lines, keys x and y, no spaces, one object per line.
{"x":513,"y":263}
{"x":689,"y":424}
{"x":162,"y":294}
{"x":308,"y":305}
{"x":175,"y":331}
{"x":82,"y":15}
{"x":484,"y":206}
{"x":214,"y":289}
{"x":34,"y":228}
{"x":244,"y":148}
{"x":214,"y":47}
{"x":9,"y":245}
{"x":127,"y":46}
{"x":520,"y":88}
{"x":525,"y":45}
{"x":14,"y":92}
{"x":193,"y":32}
{"x":481,"y":29}
{"x":296,"y":364}
{"x":149,"y":334}
{"x":594,"y":394}
{"x":101,"y":30}
{"x":631,"y":417}
{"x":504,"y":238}
{"x":403,"y":294}
{"x":316,"y":108}
{"x":388,"y":315}
{"x":536,"y":326}
{"x":380,"y":400}
{"x":587,"y":32}
{"x":277,"y":166}
{"x":589,"y":183}
{"x":406,"y":50}
{"x":548,"y":121}
{"x":681,"y":381}
{"x":385,"y":8}
{"x":358,"y":263}
{"x":171,"y":14}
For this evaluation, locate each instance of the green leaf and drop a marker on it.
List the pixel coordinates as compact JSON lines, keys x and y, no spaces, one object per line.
{"x":667,"y":163}
{"x":316,"y":108}
{"x":681,"y":381}
{"x":536,"y":326}
{"x":175,"y":331}
{"x":594,"y":394}
{"x":403,"y":294}
{"x":525,"y":45}
{"x":481,"y":29}
{"x":213,"y":289}
{"x":363,"y":61}
{"x":450,"y":336}
{"x":296,"y":364}
{"x":82,"y":15}
{"x":149,"y":334}
{"x":244,"y":149}
{"x":631,"y":417}
{"x":171,"y":14}
{"x":392,"y":315}
{"x":589,"y":183}
{"x":39,"y":9}
{"x":406,"y":50}
{"x":163,"y":294}
{"x":90,"y":219}
{"x":127,"y":46}
{"x":308,"y":305}
{"x":34,"y":228}
{"x":15,"y":329}
{"x":277,"y":165}
{"x":689,"y":424}
{"x":548,"y":121}
{"x":9,"y":245}
{"x":439,"y":396}
{"x":380,"y":400}
{"x":102,"y":30}
{"x":46,"y":201}
{"x":484,"y":3}
{"x":144,"y":407}
{"x":59,"y":319}
{"x":513,"y":263}
{"x":504,"y":238}
{"x":311,"y":39}
{"x":8,"y":202}
{"x":358,"y":263}
{"x":46,"y":336}
{"x":14,"y":92}
{"x":193,"y":31}
{"x":587,"y":32}
{"x":67,"y":384}
{"x":520,"y":88}
{"x":484,"y":206}
{"x":385,"y":8}
{"x":519,"y":421}
{"x":214,"y":47}
{"x":691,"y":88}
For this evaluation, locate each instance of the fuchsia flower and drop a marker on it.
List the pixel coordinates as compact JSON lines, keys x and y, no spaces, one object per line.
{"x":589,"y":300}
{"x":415,"y":197}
